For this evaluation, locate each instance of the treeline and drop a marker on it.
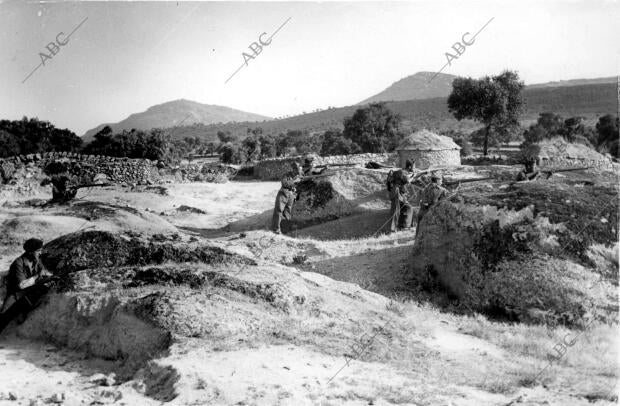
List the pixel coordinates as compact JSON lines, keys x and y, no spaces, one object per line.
{"x":30,"y":136}
{"x":373,"y":128}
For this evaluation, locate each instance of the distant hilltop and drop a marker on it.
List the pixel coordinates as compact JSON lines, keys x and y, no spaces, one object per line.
{"x":420,"y":86}
{"x":178,"y":112}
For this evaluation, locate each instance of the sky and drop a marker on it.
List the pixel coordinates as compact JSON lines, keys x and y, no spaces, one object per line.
{"x":128,"y":56}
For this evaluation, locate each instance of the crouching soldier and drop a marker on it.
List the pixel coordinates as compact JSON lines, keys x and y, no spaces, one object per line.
{"x":63,"y":185}
{"x":530,"y":172}
{"x":430,"y":196}
{"x":26,"y":283}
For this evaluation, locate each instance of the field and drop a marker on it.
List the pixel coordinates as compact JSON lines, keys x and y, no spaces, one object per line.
{"x":307,"y":318}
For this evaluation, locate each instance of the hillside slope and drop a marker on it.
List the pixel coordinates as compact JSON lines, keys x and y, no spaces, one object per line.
{"x":590,"y":101}
{"x":176,"y":112}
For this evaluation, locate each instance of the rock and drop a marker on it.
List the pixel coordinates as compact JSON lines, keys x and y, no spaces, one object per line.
{"x":57,"y":397}
{"x":12,"y":396}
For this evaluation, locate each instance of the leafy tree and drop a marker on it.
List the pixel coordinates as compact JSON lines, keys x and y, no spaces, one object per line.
{"x":226,"y":136}
{"x":495,"y":101}
{"x":8,"y":144}
{"x":607,"y":131}
{"x":267,"y":146}
{"x":372,"y":127}
{"x":34,"y":136}
{"x":335,"y":143}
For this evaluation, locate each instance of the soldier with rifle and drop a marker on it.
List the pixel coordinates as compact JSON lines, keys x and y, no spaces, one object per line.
{"x":401,"y":212}
{"x":64,"y":185}
{"x":431,"y":195}
{"x":310,"y":169}
{"x":530,"y":172}
{"x":286,"y":197}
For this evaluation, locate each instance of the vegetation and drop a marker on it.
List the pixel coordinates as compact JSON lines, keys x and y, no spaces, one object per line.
{"x":573,"y":129}
{"x":30,"y":136}
{"x":495,"y":101}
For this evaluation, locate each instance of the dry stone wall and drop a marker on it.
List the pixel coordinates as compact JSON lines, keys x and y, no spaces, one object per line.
{"x":276,"y":168}
{"x":124,"y":171}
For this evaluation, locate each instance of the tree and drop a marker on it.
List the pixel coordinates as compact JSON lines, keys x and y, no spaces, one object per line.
{"x":33,"y":136}
{"x":496,"y":102}
{"x":226,"y":136}
{"x":607,"y":131}
{"x":335,"y":143}
{"x":372,"y":127}
{"x":8,"y":144}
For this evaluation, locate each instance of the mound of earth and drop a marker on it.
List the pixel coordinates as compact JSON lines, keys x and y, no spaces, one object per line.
{"x":114,"y":307}
{"x":524,"y":253}
{"x":96,"y":249}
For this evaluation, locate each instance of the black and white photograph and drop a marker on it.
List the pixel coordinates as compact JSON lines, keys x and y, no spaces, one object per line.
{"x":291,"y":203}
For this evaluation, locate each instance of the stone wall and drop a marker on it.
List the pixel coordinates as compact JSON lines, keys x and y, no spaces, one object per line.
{"x":426,"y":159}
{"x":85,"y":167}
{"x":123,"y":171}
{"x":276,"y":168}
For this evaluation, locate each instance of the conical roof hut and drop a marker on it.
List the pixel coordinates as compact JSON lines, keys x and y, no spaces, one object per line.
{"x":425,"y":149}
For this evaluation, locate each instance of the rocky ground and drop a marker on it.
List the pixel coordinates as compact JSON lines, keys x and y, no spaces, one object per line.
{"x":175,"y":295}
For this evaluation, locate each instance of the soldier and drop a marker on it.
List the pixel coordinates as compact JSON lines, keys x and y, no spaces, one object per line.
{"x":400,"y":210}
{"x":530,"y":172}
{"x":409,"y":165}
{"x":309,"y":168}
{"x":431,"y":194}
{"x":286,"y":197}
{"x":63,"y":187}
{"x":26,"y":283}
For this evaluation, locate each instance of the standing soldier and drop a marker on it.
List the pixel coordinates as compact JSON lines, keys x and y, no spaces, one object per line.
{"x":431,"y":194}
{"x":285,"y":198}
{"x":401,"y":211}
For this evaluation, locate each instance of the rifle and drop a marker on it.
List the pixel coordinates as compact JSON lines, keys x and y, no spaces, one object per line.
{"x":90,"y":185}
{"x":552,"y":171}
{"x":456,"y":182}
{"x":335,"y":165}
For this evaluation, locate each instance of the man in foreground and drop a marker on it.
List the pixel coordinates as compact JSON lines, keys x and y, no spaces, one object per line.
{"x":26,"y":283}
{"x":430,"y":196}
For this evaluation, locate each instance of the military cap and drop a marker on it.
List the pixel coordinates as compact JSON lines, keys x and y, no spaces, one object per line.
{"x":33,"y":244}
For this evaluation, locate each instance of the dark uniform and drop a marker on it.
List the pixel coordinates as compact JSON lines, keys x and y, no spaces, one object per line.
{"x":431,"y":194}
{"x":25,"y":283}
{"x":529,"y":173}
{"x":401,"y":211}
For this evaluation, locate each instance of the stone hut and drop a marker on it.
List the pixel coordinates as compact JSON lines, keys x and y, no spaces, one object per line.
{"x":428,"y":149}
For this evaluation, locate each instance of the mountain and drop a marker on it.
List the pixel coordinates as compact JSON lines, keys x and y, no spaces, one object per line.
{"x":590,"y":101}
{"x":174,"y":113}
{"x":418,"y":86}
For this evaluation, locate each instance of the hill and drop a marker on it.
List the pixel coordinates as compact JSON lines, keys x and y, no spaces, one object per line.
{"x":425,"y":85}
{"x":418,"y":86}
{"x":176,"y":112}
{"x":590,"y":101}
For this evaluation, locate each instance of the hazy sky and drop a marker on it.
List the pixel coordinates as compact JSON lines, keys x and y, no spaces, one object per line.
{"x":128,"y":56}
